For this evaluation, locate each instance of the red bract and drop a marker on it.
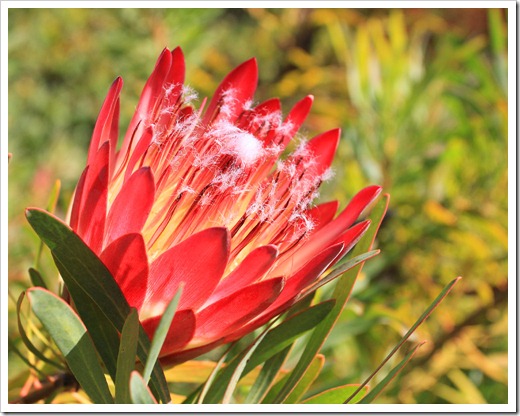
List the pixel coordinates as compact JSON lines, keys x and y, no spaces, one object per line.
{"x":201,"y":197}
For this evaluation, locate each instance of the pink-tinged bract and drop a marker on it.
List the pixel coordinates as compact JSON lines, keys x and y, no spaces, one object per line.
{"x":202,"y":197}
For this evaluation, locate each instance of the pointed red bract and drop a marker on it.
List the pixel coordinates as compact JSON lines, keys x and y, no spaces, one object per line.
{"x":296,"y":117}
{"x":131,"y":207}
{"x":231,"y":312}
{"x":250,"y":270}
{"x":77,"y":201}
{"x":106,"y":124}
{"x":235,"y":90}
{"x":94,"y":200}
{"x":198,"y":262}
{"x":322,"y":214}
{"x":323,"y":148}
{"x":309,"y":272}
{"x":127,"y":261}
{"x":359,"y":203}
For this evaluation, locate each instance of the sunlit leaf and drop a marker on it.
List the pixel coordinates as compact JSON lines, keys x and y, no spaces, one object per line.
{"x":306,"y":381}
{"x":27,"y":342}
{"x":371,"y":396}
{"x":139,"y":391}
{"x":268,"y":373}
{"x":239,"y":368}
{"x":160,"y":334}
{"x":284,"y":334}
{"x":103,"y":333}
{"x":36,"y":278}
{"x":225,"y":382}
{"x":71,"y":337}
{"x":209,"y":382}
{"x":127,"y":357}
{"x":301,"y":387}
{"x":51,"y":207}
{"x":337,"y":395}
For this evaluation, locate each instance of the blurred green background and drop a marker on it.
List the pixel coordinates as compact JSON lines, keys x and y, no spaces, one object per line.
{"x":421,"y":97}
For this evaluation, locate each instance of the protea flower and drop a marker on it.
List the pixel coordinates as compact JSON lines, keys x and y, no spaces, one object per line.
{"x":200,"y":196}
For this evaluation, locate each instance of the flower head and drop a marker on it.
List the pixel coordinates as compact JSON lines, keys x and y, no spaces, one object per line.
{"x":201,"y":197}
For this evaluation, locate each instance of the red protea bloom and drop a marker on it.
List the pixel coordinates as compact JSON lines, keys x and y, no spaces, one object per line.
{"x":201,"y":197}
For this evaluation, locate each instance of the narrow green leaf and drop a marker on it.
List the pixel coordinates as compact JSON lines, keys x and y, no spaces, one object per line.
{"x":36,"y":278}
{"x":268,"y":373}
{"x":126,"y":357}
{"x":212,"y":376}
{"x":103,"y":333}
{"x":341,"y":294}
{"x":192,"y":397}
{"x":370,"y":397}
{"x":343,"y":268}
{"x":497,"y":31}
{"x":51,"y":206}
{"x":305,"y":382}
{"x":337,"y":395}
{"x":275,"y":390}
{"x":226,"y":380}
{"x":71,"y":337}
{"x":91,"y":284}
{"x":315,"y":367}
{"x":160,"y":334}
{"x":270,"y":369}
{"x":27,"y":342}
{"x":419,"y":321}
{"x":286,"y":333}
{"x":239,"y":369}
{"x":139,"y":391}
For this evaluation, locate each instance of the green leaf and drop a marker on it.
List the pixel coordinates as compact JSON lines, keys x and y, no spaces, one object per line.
{"x":225,"y":382}
{"x":160,"y":334}
{"x":103,"y":333}
{"x":370,"y":397}
{"x":239,"y":369}
{"x":286,"y":333}
{"x":300,"y":388}
{"x":27,"y":342}
{"x":308,"y":378}
{"x":419,"y":321}
{"x":92,"y":286}
{"x":341,"y":294}
{"x":497,"y":31}
{"x":70,"y":335}
{"x":36,"y":278}
{"x":126,"y":357}
{"x":207,"y":385}
{"x":337,"y":395}
{"x":51,"y":206}
{"x":192,"y":397}
{"x":139,"y":391}
{"x":267,"y":375}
